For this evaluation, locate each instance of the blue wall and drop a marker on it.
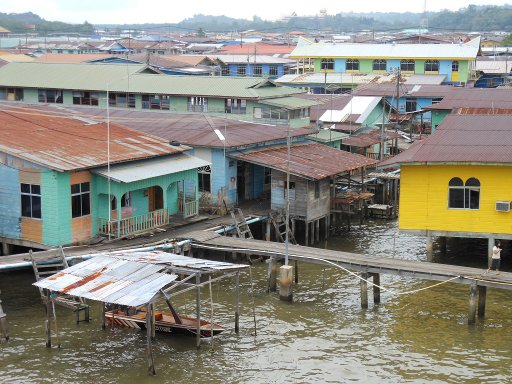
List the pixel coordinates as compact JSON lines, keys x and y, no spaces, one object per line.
{"x":10,"y":203}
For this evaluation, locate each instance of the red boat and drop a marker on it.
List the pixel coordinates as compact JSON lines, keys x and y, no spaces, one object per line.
{"x":166,"y":322}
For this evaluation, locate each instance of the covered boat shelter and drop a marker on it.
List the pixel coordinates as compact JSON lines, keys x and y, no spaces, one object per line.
{"x":137,"y":278}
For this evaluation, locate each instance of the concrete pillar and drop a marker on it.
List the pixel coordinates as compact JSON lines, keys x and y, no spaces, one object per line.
{"x":6,"y":249}
{"x":472,"y":304}
{"x":285,"y":283}
{"x":326,"y":229}
{"x":272,"y":275}
{"x":267,"y":230}
{"x":490,"y":246}
{"x":364,"y":290}
{"x":430,"y":247}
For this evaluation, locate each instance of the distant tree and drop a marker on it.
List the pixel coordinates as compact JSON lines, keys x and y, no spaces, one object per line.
{"x":200,"y":33}
{"x":507,"y":41}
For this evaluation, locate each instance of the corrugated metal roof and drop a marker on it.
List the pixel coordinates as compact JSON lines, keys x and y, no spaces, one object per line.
{"x":357,"y":110}
{"x":321,"y":79}
{"x":328,"y":135}
{"x":129,"y":78}
{"x":464,"y":139}
{"x":488,"y":66}
{"x":62,"y":143}
{"x":388,"y":51}
{"x":459,"y":97}
{"x":191,"y":129}
{"x":310,"y":161}
{"x":390,"y":90}
{"x":260,"y":48}
{"x":146,"y":169}
{"x":110,"y":280}
{"x":365,"y":139}
{"x":290,"y":102}
{"x":425,"y":79}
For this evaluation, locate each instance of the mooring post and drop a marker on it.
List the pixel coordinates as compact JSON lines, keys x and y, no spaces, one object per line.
{"x":376,"y":288}
{"x":482,"y":295}
{"x":198,"y":310}
{"x":48,"y":321}
{"x":237,"y":303}
{"x":3,"y":322}
{"x":430,"y":253}
{"x":149,"y":350}
{"x":472,"y":304}
{"x":272,"y":275}
{"x":285,"y":283}
{"x":364,"y":290}
{"x":103,"y":322}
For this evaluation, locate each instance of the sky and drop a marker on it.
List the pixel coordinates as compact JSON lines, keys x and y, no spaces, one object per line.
{"x":168,"y":11}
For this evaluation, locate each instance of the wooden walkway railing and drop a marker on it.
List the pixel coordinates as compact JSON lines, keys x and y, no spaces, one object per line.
{"x":133,"y":224}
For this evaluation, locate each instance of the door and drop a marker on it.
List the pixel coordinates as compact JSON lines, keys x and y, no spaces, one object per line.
{"x":155,"y":198}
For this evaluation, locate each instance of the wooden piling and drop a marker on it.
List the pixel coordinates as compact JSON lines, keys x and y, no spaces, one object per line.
{"x":153,"y":330}
{"x":237,"y":303}
{"x":317,"y":230}
{"x":429,"y":246}
{"x":198,"y":311}
{"x":150,"y":319}
{"x":285,"y":283}
{"x":472,"y":304}
{"x":376,"y":288}
{"x":296,"y":270}
{"x":103,"y":321}
{"x":364,"y":290}
{"x":306,"y":235}
{"x":3,"y":322}
{"x":482,"y":295}
{"x":267,"y":230}
{"x":48,"y":322}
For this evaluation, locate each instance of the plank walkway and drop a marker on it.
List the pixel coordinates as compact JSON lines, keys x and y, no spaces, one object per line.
{"x":353,"y":261}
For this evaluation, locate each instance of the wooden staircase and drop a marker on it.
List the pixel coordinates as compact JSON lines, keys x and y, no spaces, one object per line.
{"x":279,"y":222}
{"x":242,"y":228}
{"x":47,"y":264}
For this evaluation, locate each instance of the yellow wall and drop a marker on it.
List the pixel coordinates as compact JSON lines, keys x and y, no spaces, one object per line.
{"x":424,"y":199}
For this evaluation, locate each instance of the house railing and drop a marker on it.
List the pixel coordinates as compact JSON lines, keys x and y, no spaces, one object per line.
{"x":376,"y":155}
{"x":190,"y":208}
{"x":133,"y":224}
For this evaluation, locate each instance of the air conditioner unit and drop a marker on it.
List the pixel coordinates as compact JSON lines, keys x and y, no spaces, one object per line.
{"x":502,"y":206}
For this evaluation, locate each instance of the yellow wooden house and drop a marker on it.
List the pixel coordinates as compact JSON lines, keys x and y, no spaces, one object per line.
{"x":458,"y":182}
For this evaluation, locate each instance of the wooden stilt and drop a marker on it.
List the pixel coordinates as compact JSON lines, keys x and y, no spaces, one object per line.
{"x":296,"y":270}
{"x":103,"y":321}
{"x":364,"y":290}
{"x":267,"y":230}
{"x":490,"y":245}
{"x":3,"y":322}
{"x":150,"y":318}
{"x":442,"y":244}
{"x":482,"y":295}
{"x":198,"y":311}
{"x":306,"y":235}
{"x":472,"y":304}
{"x":326,"y":227}
{"x":293,"y":227}
{"x":272,"y":275}
{"x":237,"y":303}
{"x":376,"y":288}
{"x":48,"y":321}
{"x":430,"y":250}
{"x":153,"y":330}
{"x":317,"y":230}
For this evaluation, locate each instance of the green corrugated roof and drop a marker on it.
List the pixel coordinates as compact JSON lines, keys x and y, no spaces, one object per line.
{"x":327,"y":135}
{"x":128,"y":78}
{"x":290,"y":102}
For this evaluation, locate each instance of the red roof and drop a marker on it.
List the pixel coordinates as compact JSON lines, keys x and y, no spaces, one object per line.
{"x":464,"y":139}
{"x":311,"y":161}
{"x":258,"y":49}
{"x":65,"y":143}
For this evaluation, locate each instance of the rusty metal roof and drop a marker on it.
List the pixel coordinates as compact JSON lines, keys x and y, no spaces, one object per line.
{"x":365,"y":139}
{"x":479,"y":139}
{"x":310,"y":161}
{"x":489,"y":98}
{"x":191,"y":129}
{"x":413,"y":90}
{"x":110,"y":280}
{"x":63,"y":142}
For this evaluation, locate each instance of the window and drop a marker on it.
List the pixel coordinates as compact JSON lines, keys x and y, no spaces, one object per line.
{"x":225,"y":70}
{"x":432,"y":66}
{"x":235,"y":106}
{"x":379,"y":65}
{"x":50,"y":96}
{"x":273,"y":70}
{"x":204,"y":175}
{"x":156,"y":102}
{"x":31,"y":200}
{"x":270,"y":113}
{"x":197,"y":104}
{"x":407,"y":65}
{"x":258,"y":70}
{"x":268,"y":175}
{"x":122,"y":100}
{"x":410,"y":104}
{"x":352,"y":65}
{"x":126,"y":200}
{"x":240,"y":69}
{"x":85,"y":98}
{"x":455,"y":66}
{"x":327,"y":65}
{"x":11,"y":94}
{"x":464,"y":196}
{"x":80,"y":200}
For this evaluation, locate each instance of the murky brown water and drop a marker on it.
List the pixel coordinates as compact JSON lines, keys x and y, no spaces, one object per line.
{"x":323,"y":337}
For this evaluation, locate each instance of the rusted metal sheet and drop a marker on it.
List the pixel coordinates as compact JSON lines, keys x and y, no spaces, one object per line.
{"x":372,"y":137}
{"x":110,"y":280}
{"x":311,"y":161}
{"x":491,"y":99}
{"x":62,"y":143}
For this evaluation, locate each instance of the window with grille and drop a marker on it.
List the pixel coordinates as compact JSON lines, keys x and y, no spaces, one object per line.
{"x":327,"y":64}
{"x":352,"y":65}
{"x":432,"y":66}
{"x":407,"y":65}
{"x":379,"y":65}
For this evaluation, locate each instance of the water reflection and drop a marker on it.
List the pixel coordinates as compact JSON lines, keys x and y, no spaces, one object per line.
{"x":323,"y":337}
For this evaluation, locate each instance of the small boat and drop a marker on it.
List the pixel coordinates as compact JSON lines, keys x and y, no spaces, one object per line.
{"x":166,"y":322}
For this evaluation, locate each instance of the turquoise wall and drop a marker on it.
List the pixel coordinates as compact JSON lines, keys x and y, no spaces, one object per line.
{"x":56,"y":207}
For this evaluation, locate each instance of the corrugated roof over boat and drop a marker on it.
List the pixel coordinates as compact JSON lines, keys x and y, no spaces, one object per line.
{"x":311,"y":161}
{"x":62,"y":143}
{"x":481,"y":139}
{"x":133,"y":78}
